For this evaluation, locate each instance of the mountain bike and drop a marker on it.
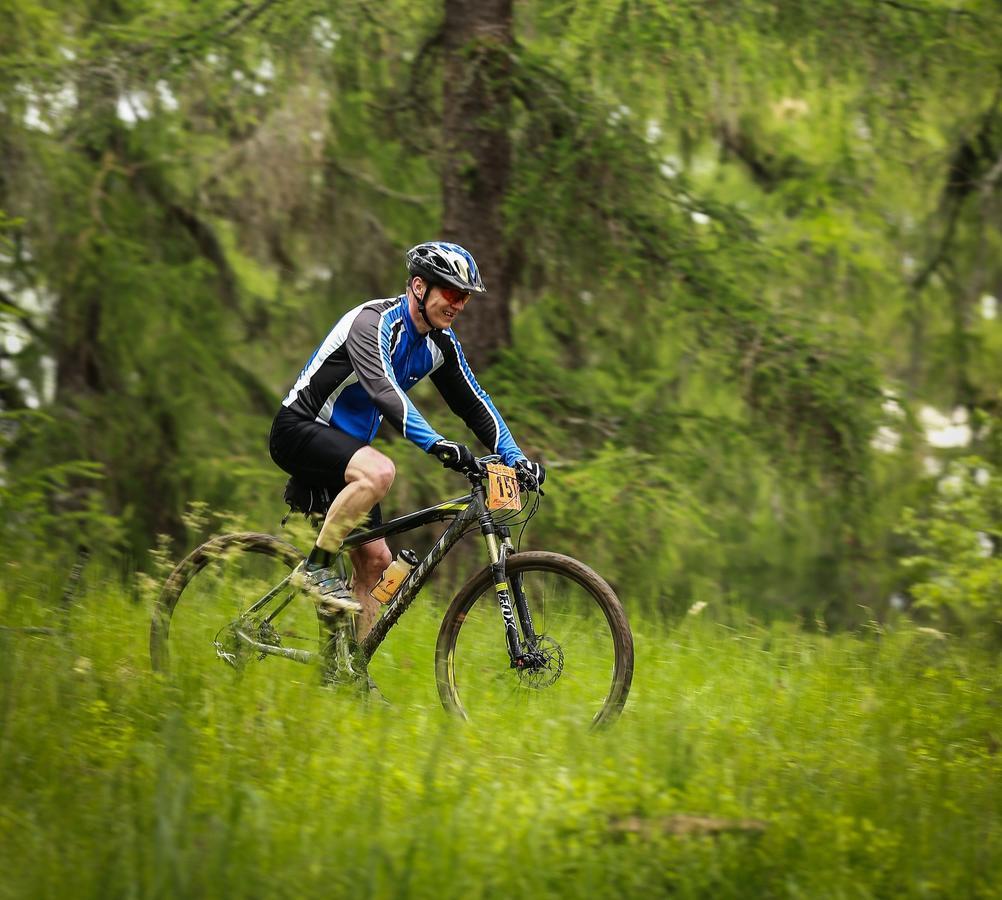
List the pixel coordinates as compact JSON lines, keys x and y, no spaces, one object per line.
{"x":534,"y":626}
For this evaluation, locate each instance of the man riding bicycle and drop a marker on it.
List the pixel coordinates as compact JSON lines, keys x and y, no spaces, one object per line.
{"x":358,"y":376}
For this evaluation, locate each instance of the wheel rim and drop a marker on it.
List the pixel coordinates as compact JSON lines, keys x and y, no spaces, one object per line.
{"x":578,"y":676}
{"x":193,"y":633}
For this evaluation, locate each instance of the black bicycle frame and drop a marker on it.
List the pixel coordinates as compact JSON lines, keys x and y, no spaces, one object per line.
{"x":463,"y":511}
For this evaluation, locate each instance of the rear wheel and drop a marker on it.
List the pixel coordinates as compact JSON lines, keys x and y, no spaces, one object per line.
{"x":208,"y":598}
{"x":580,"y":663}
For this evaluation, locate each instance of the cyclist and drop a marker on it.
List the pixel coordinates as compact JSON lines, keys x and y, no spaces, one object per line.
{"x":358,"y":376}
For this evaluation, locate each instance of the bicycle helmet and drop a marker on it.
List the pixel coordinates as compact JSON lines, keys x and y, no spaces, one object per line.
{"x":441,"y":263}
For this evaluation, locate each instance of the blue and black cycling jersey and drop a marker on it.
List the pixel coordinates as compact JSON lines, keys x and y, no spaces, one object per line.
{"x":372,"y":357}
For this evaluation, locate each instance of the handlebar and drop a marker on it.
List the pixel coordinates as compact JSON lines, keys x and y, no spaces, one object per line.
{"x":478,"y":472}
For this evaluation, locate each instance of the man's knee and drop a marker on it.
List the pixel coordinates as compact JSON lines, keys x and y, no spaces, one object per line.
{"x":384,"y":474}
{"x":372,"y":470}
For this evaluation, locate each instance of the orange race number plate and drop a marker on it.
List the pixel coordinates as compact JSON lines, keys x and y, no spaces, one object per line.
{"x":502,"y":488}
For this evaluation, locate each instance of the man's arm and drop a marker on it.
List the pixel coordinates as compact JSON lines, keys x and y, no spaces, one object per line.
{"x":468,"y":400}
{"x":369,"y":343}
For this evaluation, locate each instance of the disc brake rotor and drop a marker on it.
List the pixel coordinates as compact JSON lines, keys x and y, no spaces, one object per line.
{"x":229,"y":648}
{"x":232,"y":650}
{"x":547,"y":666}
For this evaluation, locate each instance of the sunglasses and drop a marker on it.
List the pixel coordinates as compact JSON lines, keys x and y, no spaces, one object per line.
{"x":454,"y":295}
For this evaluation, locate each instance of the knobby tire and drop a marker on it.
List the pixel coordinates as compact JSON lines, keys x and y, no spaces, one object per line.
{"x":481,"y":587}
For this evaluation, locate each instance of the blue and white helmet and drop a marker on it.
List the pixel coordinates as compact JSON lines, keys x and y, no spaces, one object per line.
{"x":443,"y":263}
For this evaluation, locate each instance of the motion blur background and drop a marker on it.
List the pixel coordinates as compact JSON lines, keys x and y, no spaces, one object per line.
{"x":745,"y":266}
{"x":744,"y":263}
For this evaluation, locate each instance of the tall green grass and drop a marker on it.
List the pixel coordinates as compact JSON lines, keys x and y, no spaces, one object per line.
{"x":874,"y":763}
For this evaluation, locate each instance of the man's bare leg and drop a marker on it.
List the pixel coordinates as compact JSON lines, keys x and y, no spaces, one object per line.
{"x":368,"y":563}
{"x":368,"y":477}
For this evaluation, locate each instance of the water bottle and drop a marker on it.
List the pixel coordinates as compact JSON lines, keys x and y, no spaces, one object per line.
{"x":394,"y":576}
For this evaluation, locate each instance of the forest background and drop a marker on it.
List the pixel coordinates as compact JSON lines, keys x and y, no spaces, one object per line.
{"x":745,"y":267}
{"x":744,"y":261}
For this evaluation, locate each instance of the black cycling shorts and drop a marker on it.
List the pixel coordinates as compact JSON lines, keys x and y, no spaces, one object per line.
{"x":315,"y":455}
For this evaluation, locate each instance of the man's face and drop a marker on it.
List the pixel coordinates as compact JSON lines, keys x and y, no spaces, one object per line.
{"x":443,"y":305}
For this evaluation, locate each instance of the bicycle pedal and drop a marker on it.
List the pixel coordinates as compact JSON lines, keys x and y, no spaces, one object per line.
{"x":333,"y":607}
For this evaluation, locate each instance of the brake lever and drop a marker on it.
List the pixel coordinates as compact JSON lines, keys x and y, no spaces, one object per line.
{"x":477,"y":470}
{"x":525,"y":485}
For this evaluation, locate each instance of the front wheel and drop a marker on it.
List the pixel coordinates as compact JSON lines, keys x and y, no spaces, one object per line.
{"x":582,"y":649}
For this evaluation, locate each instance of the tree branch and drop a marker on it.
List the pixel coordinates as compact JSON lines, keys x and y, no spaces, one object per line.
{"x":378,"y":188}
{"x":211,"y":248}
{"x":250,"y":16}
{"x":407,"y":97}
{"x":263,"y":398}
{"x":966,"y":173}
{"x":992,"y":178}
{"x":9,"y":305}
{"x":936,"y":260}
{"x":930,"y":11}
{"x":205,"y":238}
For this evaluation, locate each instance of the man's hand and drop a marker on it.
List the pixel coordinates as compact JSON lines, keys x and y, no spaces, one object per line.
{"x":454,"y":456}
{"x":533,"y":472}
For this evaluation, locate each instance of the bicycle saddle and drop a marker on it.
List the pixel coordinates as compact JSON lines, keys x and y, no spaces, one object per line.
{"x":308,"y":498}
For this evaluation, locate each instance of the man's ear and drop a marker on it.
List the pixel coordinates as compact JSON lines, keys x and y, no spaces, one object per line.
{"x":418,"y":280}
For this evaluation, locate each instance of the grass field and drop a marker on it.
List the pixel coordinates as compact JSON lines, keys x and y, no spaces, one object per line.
{"x":872,"y":764}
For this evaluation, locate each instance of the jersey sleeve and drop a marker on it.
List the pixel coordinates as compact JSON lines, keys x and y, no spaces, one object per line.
{"x":369,"y":344}
{"x":468,"y":400}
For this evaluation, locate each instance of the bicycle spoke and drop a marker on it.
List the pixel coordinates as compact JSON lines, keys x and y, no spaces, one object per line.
{"x":572,"y":664}
{"x":226,"y":597}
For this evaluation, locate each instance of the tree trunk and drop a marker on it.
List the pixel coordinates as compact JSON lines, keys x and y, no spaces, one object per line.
{"x":477,"y":95}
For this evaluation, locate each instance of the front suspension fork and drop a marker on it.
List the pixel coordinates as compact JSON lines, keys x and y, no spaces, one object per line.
{"x":510,"y":596}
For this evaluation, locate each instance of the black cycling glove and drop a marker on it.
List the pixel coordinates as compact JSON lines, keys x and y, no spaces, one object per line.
{"x":533,"y":470}
{"x":454,"y":456}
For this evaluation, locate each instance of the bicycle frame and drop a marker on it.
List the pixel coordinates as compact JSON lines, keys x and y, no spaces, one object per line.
{"x":463,"y":511}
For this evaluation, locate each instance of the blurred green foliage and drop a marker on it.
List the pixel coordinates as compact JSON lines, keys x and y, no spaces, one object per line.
{"x":755,"y":252}
{"x":957,"y":566}
{"x":872,"y":762}
{"x":735,"y":231}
